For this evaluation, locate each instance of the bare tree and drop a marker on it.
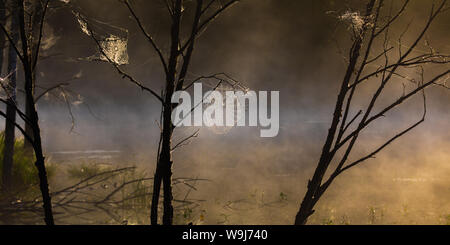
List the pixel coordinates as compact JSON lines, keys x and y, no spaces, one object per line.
{"x":35,"y":10}
{"x":391,"y":63}
{"x":28,"y":56}
{"x":175,"y":67}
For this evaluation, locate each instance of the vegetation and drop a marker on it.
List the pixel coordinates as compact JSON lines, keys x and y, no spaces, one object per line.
{"x":24,"y":174}
{"x":376,"y":59}
{"x":82,"y":171}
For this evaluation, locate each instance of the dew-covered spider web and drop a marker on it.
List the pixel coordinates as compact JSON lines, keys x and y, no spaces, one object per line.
{"x":113,"y":40}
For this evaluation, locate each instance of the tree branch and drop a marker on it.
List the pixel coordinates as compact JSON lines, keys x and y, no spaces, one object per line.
{"x":120,"y":71}
{"x":149,"y":38}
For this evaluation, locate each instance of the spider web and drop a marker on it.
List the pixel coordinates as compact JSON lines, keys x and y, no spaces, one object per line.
{"x":113,"y":40}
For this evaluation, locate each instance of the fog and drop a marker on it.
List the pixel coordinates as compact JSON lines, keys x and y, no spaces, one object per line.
{"x":281,"y":45}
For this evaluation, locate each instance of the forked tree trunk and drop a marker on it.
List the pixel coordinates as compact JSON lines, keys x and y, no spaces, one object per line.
{"x":37,"y":147}
{"x":163,"y":172}
{"x":35,"y":28}
{"x":166,"y":165}
{"x":28,"y":67}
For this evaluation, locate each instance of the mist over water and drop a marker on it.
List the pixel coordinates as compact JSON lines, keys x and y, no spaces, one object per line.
{"x":407,"y":183}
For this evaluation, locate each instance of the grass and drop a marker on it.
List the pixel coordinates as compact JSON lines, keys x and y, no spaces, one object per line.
{"x":131,"y":203}
{"x":129,"y":194}
{"x":24,"y":172}
{"x":83,"y":171}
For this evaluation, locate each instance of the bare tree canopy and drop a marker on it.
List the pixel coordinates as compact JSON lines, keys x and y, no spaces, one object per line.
{"x":189,"y":112}
{"x":371,"y":29}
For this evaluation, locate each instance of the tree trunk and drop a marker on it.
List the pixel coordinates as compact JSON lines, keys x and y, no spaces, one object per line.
{"x":163,"y":175}
{"x":28,"y":146}
{"x":312,"y":195}
{"x":37,"y":146}
{"x":35,"y":27}
{"x":155,"y":195}
{"x":43,"y":184}
{"x":163,"y":172}
{"x":166,"y":165}
{"x":315,"y":188}
{"x":8,"y":153}
{"x":28,"y":67}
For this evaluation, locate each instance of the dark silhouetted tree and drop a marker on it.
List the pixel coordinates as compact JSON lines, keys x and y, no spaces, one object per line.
{"x":30,"y":40}
{"x":382,"y":66}
{"x":175,"y":67}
